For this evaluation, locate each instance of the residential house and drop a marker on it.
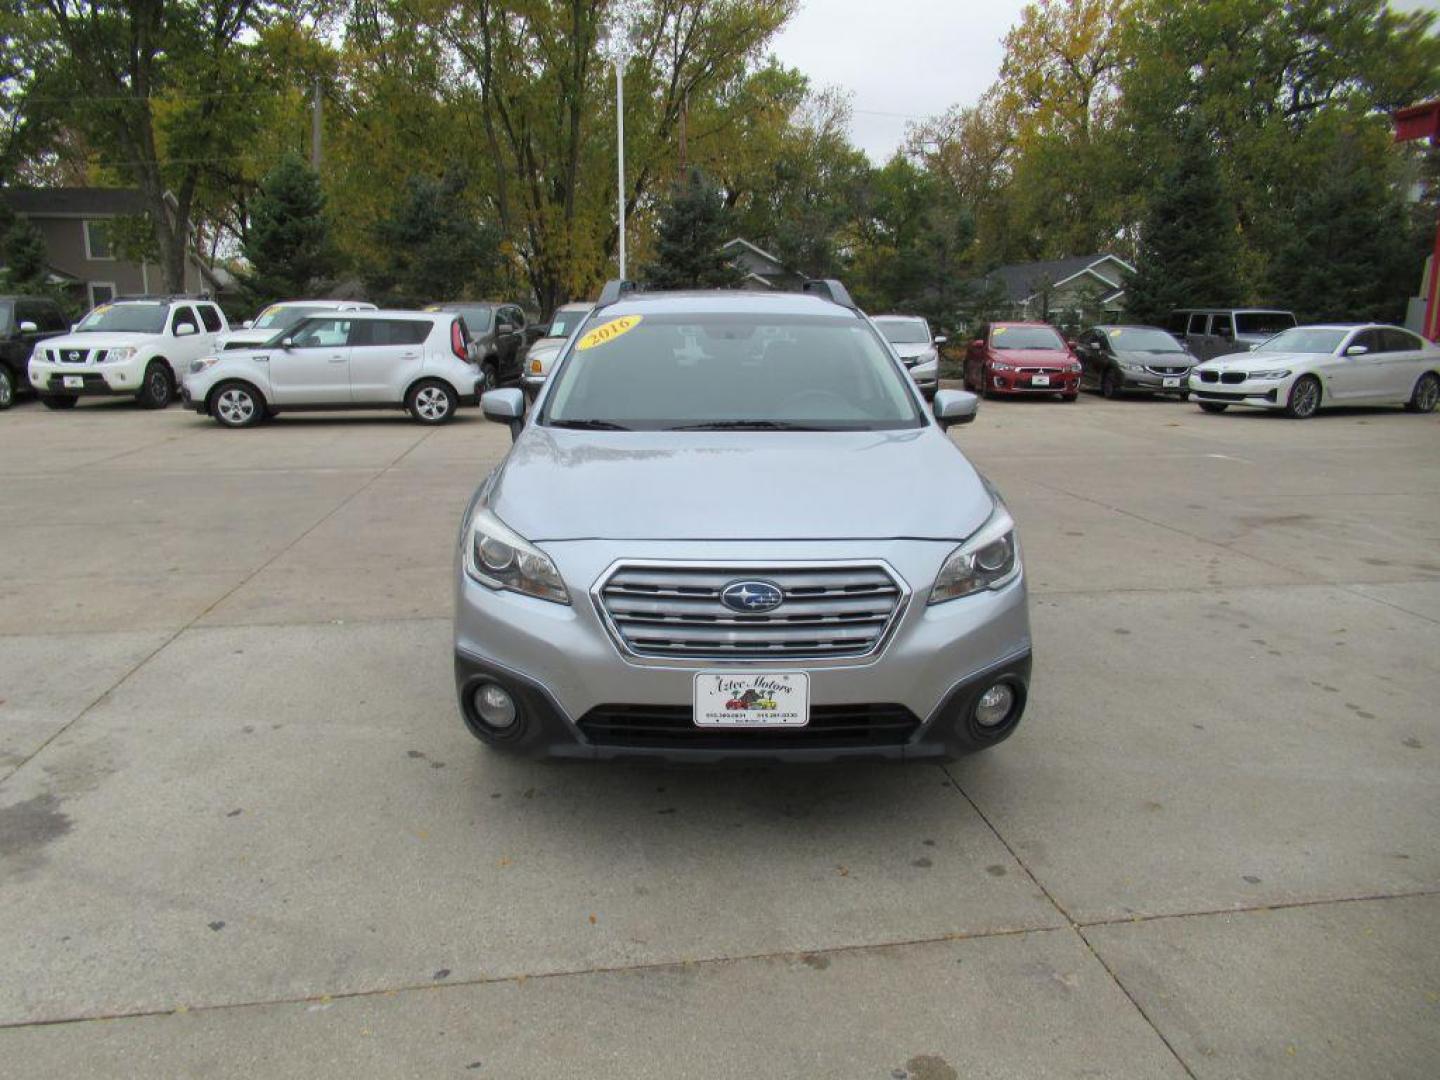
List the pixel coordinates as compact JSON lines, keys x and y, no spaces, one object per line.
{"x":1063,"y":291}
{"x":76,"y":224}
{"x":762,"y":271}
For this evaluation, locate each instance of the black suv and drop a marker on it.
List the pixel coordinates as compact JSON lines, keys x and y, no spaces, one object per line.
{"x":24,"y":320}
{"x":501,"y":338}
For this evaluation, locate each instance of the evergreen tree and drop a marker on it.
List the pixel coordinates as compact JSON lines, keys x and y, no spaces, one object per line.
{"x":433,"y":247}
{"x":1189,"y":249}
{"x":1350,"y":254}
{"x":288,"y":241}
{"x":693,"y":224}
{"x":23,"y":254}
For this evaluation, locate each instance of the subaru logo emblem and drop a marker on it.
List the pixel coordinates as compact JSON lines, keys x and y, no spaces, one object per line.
{"x":752,"y":597}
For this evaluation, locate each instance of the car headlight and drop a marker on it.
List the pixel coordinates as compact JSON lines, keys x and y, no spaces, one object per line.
{"x":1126,"y":365}
{"x":1000,"y":365}
{"x":197,"y":366}
{"x":500,"y":558}
{"x":1074,"y":366}
{"x":115,"y":356}
{"x":1278,"y":373}
{"x":988,"y":560}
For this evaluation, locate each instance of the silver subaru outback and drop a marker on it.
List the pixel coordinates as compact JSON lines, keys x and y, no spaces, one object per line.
{"x":729,"y":528}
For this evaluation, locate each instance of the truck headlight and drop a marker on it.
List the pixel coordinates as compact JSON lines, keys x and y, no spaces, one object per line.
{"x":116,"y":356}
{"x":988,"y":560}
{"x":500,"y":558}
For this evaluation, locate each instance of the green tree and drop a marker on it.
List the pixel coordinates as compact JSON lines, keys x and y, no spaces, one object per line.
{"x":288,"y":240}
{"x":1350,"y":254}
{"x":23,"y":254}
{"x":1189,"y":250}
{"x":433,"y":245}
{"x":693,"y":224}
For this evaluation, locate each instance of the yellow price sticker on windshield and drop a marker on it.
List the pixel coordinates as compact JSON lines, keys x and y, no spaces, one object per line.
{"x":999,"y":330}
{"x":101,"y":309}
{"x":608,"y":332}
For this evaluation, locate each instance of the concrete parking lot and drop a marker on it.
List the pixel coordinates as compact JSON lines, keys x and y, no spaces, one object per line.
{"x":243,"y":833}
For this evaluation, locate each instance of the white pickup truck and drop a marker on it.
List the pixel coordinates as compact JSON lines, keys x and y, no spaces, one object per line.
{"x":135,"y":348}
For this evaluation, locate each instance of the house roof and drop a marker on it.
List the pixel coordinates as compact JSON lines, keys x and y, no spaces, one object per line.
{"x":74,"y":201}
{"x":1023,"y":280}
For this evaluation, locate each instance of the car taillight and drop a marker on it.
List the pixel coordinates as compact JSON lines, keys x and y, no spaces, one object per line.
{"x":457,"y":341}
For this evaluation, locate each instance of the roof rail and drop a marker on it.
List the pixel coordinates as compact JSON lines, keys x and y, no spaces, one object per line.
{"x":829,"y":289}
{"x":163,"y":297}
{"x":613,"y":290}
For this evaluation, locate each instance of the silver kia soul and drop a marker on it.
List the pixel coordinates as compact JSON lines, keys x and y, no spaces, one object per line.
{"x":729,"y":528}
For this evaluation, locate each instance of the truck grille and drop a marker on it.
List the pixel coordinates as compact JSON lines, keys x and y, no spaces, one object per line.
{"x":840,"y":611}
{"x":72,"y":356}
{"x":674,"y":726}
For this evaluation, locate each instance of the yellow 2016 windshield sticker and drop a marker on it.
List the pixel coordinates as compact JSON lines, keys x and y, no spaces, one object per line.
{"x":608,"y":332}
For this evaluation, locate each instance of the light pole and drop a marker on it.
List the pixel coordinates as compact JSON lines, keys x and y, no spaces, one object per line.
{"x":620,"y":148}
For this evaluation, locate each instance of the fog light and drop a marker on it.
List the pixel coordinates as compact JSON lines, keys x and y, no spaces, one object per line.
{"x":494,"y":706}
{"x":994,"y":705}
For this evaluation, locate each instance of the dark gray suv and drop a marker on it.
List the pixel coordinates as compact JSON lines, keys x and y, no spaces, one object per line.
{"x":501,"y":336}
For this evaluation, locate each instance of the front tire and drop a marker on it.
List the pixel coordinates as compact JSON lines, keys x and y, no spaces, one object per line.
{"x":431,"y":402}
{"x":1213,"y":406}
{"x":1110,"y":385}
{"x":1304,"y":400}
{"x":7,"y":387}
{"x":158,"y":387}
{"x":237,"y":405}
{"x":58,"y":402}
{"x":1426,"y":394}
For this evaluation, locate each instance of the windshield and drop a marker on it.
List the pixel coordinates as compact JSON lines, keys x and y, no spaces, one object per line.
{"x":563,"y":323}
{"x":1025,"y":337}
{"x":1304,"y":339}
{"x":1143,"y":339}
{"x":283,"y":316}
{"x":904,"y":331}
{"x":1263,"y":322}
{"x":730,"y":371}
{"x":125,"y":318}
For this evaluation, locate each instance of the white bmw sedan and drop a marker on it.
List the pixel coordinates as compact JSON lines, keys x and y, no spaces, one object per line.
{"x":1309,"y":368}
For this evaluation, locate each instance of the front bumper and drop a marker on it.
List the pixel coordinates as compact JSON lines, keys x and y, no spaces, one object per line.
{"x":1151,"y":383}
{"x":1016,"y":382}
{"x":1260,"y":393}
{"x":98,"y":380}
{"x":577,"y":691}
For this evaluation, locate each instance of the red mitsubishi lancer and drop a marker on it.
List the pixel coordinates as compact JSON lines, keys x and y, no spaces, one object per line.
{"x":1021,"y":358}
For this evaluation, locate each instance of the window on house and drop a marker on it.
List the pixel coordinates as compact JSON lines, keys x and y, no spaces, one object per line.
{"x":101,"y":292}
{"x":97,"y":240}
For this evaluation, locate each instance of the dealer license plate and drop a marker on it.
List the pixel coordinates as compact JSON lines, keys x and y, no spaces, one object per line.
{"x":1171,"y":382}
{"x":1039,"y":380}
{"x":74,"y":382}
{"x":741,"y":699}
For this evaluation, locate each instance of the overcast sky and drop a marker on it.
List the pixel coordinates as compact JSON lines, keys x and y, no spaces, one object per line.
{"x":907,"y":59}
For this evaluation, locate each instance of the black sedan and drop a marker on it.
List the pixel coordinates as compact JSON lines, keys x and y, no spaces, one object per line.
{"x":1119,"y":359}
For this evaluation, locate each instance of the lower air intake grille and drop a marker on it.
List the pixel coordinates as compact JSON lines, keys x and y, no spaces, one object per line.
{"x":671,"y":726}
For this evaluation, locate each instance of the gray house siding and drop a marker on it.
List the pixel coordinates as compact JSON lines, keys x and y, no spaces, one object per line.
{"x":69,"y":219}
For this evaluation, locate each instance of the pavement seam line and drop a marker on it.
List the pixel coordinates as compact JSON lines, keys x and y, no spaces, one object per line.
{"x":569,"y":973}
{"x":125,"y":677}
{"x":1073,"y":926}
{"x":1252,"y":909}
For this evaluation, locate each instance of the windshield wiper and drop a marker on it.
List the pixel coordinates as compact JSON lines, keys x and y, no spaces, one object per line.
{"x":589,"y":425}
{"x":747,"y":425}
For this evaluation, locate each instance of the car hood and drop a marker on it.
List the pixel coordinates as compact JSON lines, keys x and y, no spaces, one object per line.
{"x":1155,"y":358}
{"x":1031,"y":357}
{"x":573,"y":485}
{"x":246,"y":337}
{"x":911,"y":351}
{"x":98,"y":340}
{"x":1252,"y":361}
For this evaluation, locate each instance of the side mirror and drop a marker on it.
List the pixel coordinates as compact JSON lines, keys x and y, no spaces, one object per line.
{"x":978,"y":343}
{"x":185,"y":329}
{"x":955,"y":407}
{"x":1357,"y":350}
{"x":1070,"y":344}
{"x":287,"y":342}
{"x":28,"y":327}
{"x":247,"y":324}
{"x":505,"y":406}
{"x":940,"y":339}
